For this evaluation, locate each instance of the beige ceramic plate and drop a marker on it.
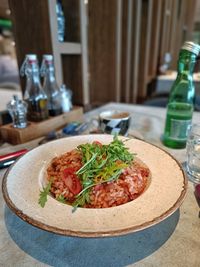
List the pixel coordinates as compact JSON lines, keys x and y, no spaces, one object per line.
{"x":21,"y":186}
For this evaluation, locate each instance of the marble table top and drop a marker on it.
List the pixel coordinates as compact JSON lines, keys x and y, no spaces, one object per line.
{"x":173,"y":242}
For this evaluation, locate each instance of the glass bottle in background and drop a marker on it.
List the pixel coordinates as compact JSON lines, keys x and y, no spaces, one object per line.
{"x":17,"y":109}
{"x":34,"y":95}
{"x":181,"y":99}
{"x":50,"y":86}
{"x":66,"y":98}
{"x":60,"y":21}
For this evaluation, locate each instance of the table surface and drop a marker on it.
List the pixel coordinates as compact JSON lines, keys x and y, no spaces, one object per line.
{"x":173,"y":242}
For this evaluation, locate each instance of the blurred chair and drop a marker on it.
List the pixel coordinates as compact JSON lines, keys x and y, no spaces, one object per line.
{"x":9,"y":74}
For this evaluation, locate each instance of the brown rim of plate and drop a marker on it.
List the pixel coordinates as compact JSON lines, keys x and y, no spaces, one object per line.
{"x":120,"y":232}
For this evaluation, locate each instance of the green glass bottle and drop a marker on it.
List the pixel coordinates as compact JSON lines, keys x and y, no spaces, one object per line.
{"x":181,"y":99}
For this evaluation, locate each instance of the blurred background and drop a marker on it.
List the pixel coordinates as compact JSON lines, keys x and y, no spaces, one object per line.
{"x":109,"y":50}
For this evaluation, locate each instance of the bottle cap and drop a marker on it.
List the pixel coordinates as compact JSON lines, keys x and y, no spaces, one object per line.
{"x":47,"y":63}
{"x":31,"y":56}
{"x":192,"y":47}
{"x":28,"y":59}
{"x":48,"y":57}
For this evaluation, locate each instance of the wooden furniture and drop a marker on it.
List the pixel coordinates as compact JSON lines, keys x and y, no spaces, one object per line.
{"x":128,"y":41}
{"x":71,"y":56}
{"x":37,"y":129}
{"x":5,"y":96}
{"x":112,"y":50}
{"x":35,"y":30}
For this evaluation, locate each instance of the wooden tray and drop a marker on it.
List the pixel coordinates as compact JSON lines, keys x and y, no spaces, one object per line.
{"x":37,"y":129}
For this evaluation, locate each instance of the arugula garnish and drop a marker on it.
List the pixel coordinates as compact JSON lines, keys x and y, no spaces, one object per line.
{"x":43,"y":194}
{"x":82,"y":199}
{"x":61,"y":199}
{"x":101,"y":164}
{"x":84,"y":167}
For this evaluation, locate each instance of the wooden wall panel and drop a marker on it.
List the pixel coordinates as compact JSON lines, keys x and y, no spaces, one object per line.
{"x":189,"y":15}
{"x":168,"y":15}
{"x":129,"y":48}
{"x":177,"y":26}
{"x":172,"y":38}
{"x":136,"y":37}
{"x":72,"y":20}
{"x":124,"y":50}
{"x":118,"y":42}
{"x":3,"y":6}
{"x":180,"y":30}
{"x":163,"y":40}
{"x":127,"y":42}
{"x":155,"y":38}
{"x":71,"y":65}
{"x":102,"y":50}
{"x":144,"y":48}
{"x":31,"y":29}
{"x":149,"y":30}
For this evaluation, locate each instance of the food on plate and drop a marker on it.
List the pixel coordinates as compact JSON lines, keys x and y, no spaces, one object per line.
{"x":95,"y":175}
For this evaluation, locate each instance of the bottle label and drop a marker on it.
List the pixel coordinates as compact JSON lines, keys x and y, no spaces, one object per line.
{"x":179,"y":129}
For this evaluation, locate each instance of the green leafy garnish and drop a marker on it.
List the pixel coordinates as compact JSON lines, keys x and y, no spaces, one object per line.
{"x":61,"y":199}
{"x":43,"y":194}
{"x":101,"y":164}
{"x":84,"y":167}
{"x":82,"y":199}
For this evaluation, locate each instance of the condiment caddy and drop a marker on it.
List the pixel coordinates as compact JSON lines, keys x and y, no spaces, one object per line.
{"x":35,"y":130}
{"x":44,"y":107}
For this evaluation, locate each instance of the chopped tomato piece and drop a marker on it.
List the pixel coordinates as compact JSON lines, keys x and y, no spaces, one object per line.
{"x":68,"y":171}
{"x":72,"y":181}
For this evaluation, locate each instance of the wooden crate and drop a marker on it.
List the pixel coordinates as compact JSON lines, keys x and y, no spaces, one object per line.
{"x":37,"y":129}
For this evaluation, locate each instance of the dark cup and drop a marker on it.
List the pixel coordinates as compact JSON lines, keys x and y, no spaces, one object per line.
{"x":114,"y":122}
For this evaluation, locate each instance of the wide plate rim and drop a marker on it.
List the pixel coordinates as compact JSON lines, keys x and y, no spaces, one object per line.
{"x":65,"y":232}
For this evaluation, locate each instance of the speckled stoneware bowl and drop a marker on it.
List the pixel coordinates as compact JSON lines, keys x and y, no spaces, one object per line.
{"x":165,"y":193}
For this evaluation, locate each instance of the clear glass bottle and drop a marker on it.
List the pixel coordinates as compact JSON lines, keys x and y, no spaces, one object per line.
{"x":17,"y":109}
{"x":50,"y":86}
{"x":181,"y":99}
{"x":60,"y":21}
{"x":34,"y":95}
{"x":66,"y":98}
